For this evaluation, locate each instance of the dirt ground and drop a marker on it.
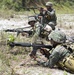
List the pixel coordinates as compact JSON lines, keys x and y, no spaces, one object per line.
{"x":65,"y":22}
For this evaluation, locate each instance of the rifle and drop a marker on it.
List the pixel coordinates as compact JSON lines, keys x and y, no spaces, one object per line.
{"x":32,"y":8}
{"x":41,"y":21}
{"x":18,"y":31}
{"x":12,"y":44}
{"x":43,"y":51}
{"x":24,"y":27}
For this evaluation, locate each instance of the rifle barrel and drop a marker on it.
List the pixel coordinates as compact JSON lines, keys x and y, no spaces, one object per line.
{"x":31,"y":7}
{"x":15,"y":30}
{"x":10,"y":30}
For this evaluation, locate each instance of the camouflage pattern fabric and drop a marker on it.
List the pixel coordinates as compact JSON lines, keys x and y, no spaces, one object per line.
{"x":60,"y":54}
{"x":39,"y":33}
{"x":49,"y":17}
{"x":31,"y":19}
{"x":57,"y":54}
{"x":50,"y":13}
{"x":37,"y":38}
{"x":67,"y":63}
{"x":57,"y":36}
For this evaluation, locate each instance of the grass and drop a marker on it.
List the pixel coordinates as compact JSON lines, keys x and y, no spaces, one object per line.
{"x":65,"y":73}
{"x":20,"y":51}
{"x":60,"y":9}
{"x":11,"y":13}
{"x":7,"y":59}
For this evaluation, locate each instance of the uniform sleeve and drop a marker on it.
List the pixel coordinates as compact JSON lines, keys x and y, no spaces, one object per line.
{"x":58,"y":53}
{"x":37,"y":32}
{"x":53,"y":59}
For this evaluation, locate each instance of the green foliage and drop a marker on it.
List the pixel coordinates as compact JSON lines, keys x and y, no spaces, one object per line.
{"x":21,"y":4}
{"x":65,"y":73}
{"x":10,"y":4}
{"x":6,"y":4}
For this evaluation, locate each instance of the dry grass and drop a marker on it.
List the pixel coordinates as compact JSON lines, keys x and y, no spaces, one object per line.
{"x":10,"y":58}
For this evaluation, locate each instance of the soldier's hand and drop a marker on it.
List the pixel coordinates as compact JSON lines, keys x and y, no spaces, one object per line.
{"x":33,"y":56}
{"x":24,"y":34}
{"x":45,"y":52}
{"x":45,"y":9}
{"x":39,"y":17}
{"x":42,"y":50}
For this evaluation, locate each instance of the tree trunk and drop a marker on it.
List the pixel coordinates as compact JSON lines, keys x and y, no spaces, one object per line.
{"x":23,"y":4}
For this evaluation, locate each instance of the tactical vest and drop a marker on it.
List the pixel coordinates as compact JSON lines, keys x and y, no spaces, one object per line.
{"x":50,"y":18}
{"x":69,"y":46}
{"x":67,"y":63}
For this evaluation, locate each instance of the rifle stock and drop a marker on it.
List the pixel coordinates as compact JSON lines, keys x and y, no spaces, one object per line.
{"x":32,"y":8}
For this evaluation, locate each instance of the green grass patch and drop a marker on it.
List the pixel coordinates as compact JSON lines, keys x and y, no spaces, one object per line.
{"x":65,"y":73}
{"x":63,"y":9}
{"x":60,"y":9}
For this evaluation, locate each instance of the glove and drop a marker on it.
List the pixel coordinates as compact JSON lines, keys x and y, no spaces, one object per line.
{"x":33,"y":56}
{"x":43,"y":51}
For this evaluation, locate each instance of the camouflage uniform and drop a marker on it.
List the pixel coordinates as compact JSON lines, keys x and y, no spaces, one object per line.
{"x":36,"y":31}
{"x":35,"y":28}
{"x":49,"y":16}
{"x":38,"y":35}
{"x":60,"y":55}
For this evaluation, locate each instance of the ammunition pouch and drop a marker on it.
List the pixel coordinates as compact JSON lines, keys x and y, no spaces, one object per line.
{"x":48,"y":17}
{"x":69,"y":46}
{"x":67,"y":63}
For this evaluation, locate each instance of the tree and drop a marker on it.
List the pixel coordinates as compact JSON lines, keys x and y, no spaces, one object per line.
{"x":23,"y":3}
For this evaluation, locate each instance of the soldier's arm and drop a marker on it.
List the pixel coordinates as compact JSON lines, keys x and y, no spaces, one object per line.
{"x":53,"y":59}
{"x":37,"y":33}
{"x":58,"y":53}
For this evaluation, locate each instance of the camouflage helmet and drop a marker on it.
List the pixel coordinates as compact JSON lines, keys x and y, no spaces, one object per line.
{"x":52,"y":24}
{"x":48,"y":28}
{"x":31,"y":19}
{"x":57,"y":36}
{"x":49,"y":4}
